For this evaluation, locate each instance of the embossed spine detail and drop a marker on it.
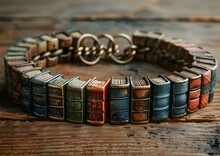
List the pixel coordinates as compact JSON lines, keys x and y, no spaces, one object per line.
{"x":194,"y":89}
{"x":96,"y":102}
{"x":140,"y":100}
{"x":16,"y":81}
{"x":76,"y":100}
{"x":160,"y":98}
{"x":26,"y":77}
{"x":40,"y":93}
{"x":179,"y":95}
{"x":56,"y":99}
{"x":119,"y":100}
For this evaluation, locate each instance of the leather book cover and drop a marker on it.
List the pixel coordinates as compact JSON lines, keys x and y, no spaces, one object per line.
{"x":41,"y":44}
{"x":26,"y":77}
{"x":40,"y":93}
{"x":213,"y":68}
{"x":56,"y":98}
{"x":119,"y":100}
{"x":205,"y":83}
{"x":52,"y":42}
{"x":160,"y":98}
{"x":97,"y":102}
{"x":76,"y":100}
{"x":31,"y":48}
{"x":194,"y":89}
{"x":16,"y":80}
{"x":179,"y":95}
{"x":140,"y":100}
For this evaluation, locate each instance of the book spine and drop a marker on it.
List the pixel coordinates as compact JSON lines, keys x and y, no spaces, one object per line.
{"x":39,"y":96}
{"x":140,"y":105}
{"x":26,"y":100}
{"x":178,"y":99}
{"x":16,"y":87}
{"x":212,"y":90}
{"x":96,"y":107}
{"x":40,"y":103}
{"x":205,"y":85}
{"x":119,"y":105}
{"x":212,"y":84}
{"x":194,"y":95}
{"x":75,"y":105}
{"x":160,"y":101}
{"x":56,"y":102}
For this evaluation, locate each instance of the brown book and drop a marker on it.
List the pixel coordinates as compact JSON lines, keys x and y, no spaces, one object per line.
{"x":41,"y":44}
{"x":56,"y":100}
{"x":65,"y":41}
{"x":16,"y":80}
{"x":140,"y":100}
{"x":10,"y":61}
{"x":52,"y":42}
{"x":97,"y":102}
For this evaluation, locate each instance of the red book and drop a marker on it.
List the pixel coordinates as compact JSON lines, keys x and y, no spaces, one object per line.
{"x":16,"y":80}
{"x":194,"y":89}
{"x":97,"y":102}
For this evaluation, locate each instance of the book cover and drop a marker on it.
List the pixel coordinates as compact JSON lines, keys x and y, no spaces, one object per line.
{"x":76,"y":100}
{"x":41,"y":44}
{"x":52,"y":42}
{"x":205,"y":83}
{"x":31,"y":48}
{"x":15,"y":48}
{"x":179,"y":95}
{"x":26,"y":92}
{"x":140,"y":100}
{"x":65,"y":41}
{"x":97,"y":102}
{"x":119,"y":100}
{"x":213,"y":68}
{"x":194,"y":89}
{"x":17,"y":70}
{"x":9,"y":62}
{"x":160,"y":98}
{"x":56,"y":98}
{"x":40,"y":93}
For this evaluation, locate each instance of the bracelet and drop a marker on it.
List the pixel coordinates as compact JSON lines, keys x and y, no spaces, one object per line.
{"x":190,"y":87}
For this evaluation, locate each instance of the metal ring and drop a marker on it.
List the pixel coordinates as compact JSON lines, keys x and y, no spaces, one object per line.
{"x":130,"y":55}
{"x":111,"y":46}
{"x":80,"y":49}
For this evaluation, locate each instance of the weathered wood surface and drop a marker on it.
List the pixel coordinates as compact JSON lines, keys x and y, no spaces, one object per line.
{"x":194,"y":134}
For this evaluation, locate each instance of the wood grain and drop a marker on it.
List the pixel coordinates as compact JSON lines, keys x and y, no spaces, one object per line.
{"x":194,"y":21}
{"x":62,"y":138}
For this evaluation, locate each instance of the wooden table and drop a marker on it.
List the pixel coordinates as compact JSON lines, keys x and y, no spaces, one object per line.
{"x":194,"y":21}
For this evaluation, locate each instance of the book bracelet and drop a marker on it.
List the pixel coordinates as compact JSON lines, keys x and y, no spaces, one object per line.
{"x":118,"y":100}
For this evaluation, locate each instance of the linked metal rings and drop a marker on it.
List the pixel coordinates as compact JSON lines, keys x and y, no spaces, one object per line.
{"x":89,"y":56}
{"x":92,"y":55}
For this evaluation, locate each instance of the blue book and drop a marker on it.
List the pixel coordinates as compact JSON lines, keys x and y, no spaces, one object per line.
{"x":119,"y":100}
{"x":160,"y":98}
{"x":40,"y":93}
{"x":179,"y":95}
{"x":26,"y":77}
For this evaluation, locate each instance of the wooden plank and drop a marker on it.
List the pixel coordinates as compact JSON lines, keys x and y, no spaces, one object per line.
{"x":99,"y":9}
{"x":48,"y":138}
